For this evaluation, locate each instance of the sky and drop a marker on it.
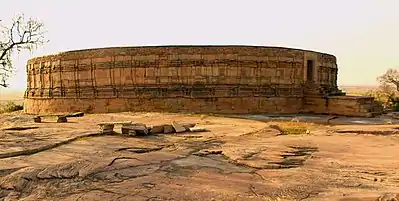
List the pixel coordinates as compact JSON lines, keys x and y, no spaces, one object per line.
{"x":362,"y":34}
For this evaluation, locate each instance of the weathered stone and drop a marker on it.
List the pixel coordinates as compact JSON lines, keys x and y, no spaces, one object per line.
{"x":138,"y":124}
{"x":37,"y":119}
{"x":62,"y":119}
{"x":138,"y":130}
{"x":369,"y":115}
{"x":197,"y":129}
{"x":76,"y":114}
{"x":118,"y":122}
{"x":168,"y":129}
{"x":106,"y":128}
{"x":207,"y":152}
{"x":295,"y":119}
{"x":178,"y":128}
{"x":157,"y":129}
{"x":187,"y":126}
{"x":128,"y":131}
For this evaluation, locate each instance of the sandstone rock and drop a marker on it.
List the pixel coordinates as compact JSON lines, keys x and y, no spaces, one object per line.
{"x":76,"y":114}
{"x":37,"y":120}
{"x":157,"y":129}
{"x":106,"y":128}
{"x":197,"y":129}
{"x":62,"y":119}
{"x":178,"y":128}
{"x":208,"y":152}
{"x":388,"y":122}
{"x":295,"y":119}
{"x":395,"y":116}
{"x":129,"y":132}
{"x":120,"y":122}
{"x":140,"y":124}
{"x":168,"y":129}
{"x":134,"y":130}
{"x":135,"y":124}
{"x":187,"y":126}
{"x":369,"y":115}
{"x":389,"y":197}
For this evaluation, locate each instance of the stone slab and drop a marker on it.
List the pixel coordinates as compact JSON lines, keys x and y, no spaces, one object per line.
{"x":178,"y":127}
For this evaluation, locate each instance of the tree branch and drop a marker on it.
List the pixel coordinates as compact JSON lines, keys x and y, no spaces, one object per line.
{"x":20,"y":36}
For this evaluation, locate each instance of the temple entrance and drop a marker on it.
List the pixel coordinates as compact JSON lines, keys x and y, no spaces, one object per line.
{"x":310,"y":70}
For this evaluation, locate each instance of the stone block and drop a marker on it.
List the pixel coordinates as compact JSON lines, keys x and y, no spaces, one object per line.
{"x":168,"y":129}
{"x":106,"y":128}
{"x":178,"y":128}
{"x":197,"y":129}
{"x":62,"y":119}
{"x":134,"y":130}
{"x":157,"y":129}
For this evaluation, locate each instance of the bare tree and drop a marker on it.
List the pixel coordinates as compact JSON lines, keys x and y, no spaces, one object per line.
{"x":21,"y":35}
{"x":391,"y":77}
{"x":388,"y":91}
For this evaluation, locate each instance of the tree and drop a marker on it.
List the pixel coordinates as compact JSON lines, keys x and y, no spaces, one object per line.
{"x":387,"y":92}
{"x":391,"y":77}
{"x":21,"y":35}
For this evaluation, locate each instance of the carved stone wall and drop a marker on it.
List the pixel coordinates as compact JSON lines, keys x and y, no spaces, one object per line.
{"x":216,"y":79}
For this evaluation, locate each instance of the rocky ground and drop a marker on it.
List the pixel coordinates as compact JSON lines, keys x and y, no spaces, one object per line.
{"x":238,"y":159}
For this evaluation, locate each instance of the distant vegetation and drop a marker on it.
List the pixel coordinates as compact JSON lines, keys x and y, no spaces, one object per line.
{"x":11,"y":94}
{"x":387,"y":93}
{"x":357,"y":90}
{"x":10,"y":107}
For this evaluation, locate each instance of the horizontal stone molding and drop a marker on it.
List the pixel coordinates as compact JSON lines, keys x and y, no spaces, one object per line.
{"x":149,"y":91}
{"x":236,"y":105}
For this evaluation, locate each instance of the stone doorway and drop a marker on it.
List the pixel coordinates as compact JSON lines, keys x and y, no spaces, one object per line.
{"x":310,"y":70}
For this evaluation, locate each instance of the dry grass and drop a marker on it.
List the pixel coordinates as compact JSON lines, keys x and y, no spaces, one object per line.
{"x":292,"y":128}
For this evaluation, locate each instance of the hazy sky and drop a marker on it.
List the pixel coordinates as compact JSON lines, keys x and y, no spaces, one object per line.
{"x":363,"y":34}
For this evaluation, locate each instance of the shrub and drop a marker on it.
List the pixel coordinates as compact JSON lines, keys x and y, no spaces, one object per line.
{"x":385,"y":95}
{"x":10,"y":107}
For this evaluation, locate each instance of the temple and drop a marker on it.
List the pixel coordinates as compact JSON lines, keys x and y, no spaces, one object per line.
{"x":195,"y":79}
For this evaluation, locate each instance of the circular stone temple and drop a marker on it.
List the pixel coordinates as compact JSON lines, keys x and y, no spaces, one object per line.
{"x":198,"y":79}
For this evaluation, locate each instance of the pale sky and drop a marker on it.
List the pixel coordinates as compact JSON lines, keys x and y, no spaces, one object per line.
{"x":362,"y":34}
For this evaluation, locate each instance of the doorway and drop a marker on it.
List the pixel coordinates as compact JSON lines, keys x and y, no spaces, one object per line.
{"x":309,"y":70}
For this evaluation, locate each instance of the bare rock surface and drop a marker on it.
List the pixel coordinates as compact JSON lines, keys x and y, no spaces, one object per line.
{"x":234,"y":159}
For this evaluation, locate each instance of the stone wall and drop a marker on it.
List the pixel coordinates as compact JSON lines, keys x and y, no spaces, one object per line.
{"x":342,"y":105}
{"x":353,"y":106}
{"x":216,"y":79}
